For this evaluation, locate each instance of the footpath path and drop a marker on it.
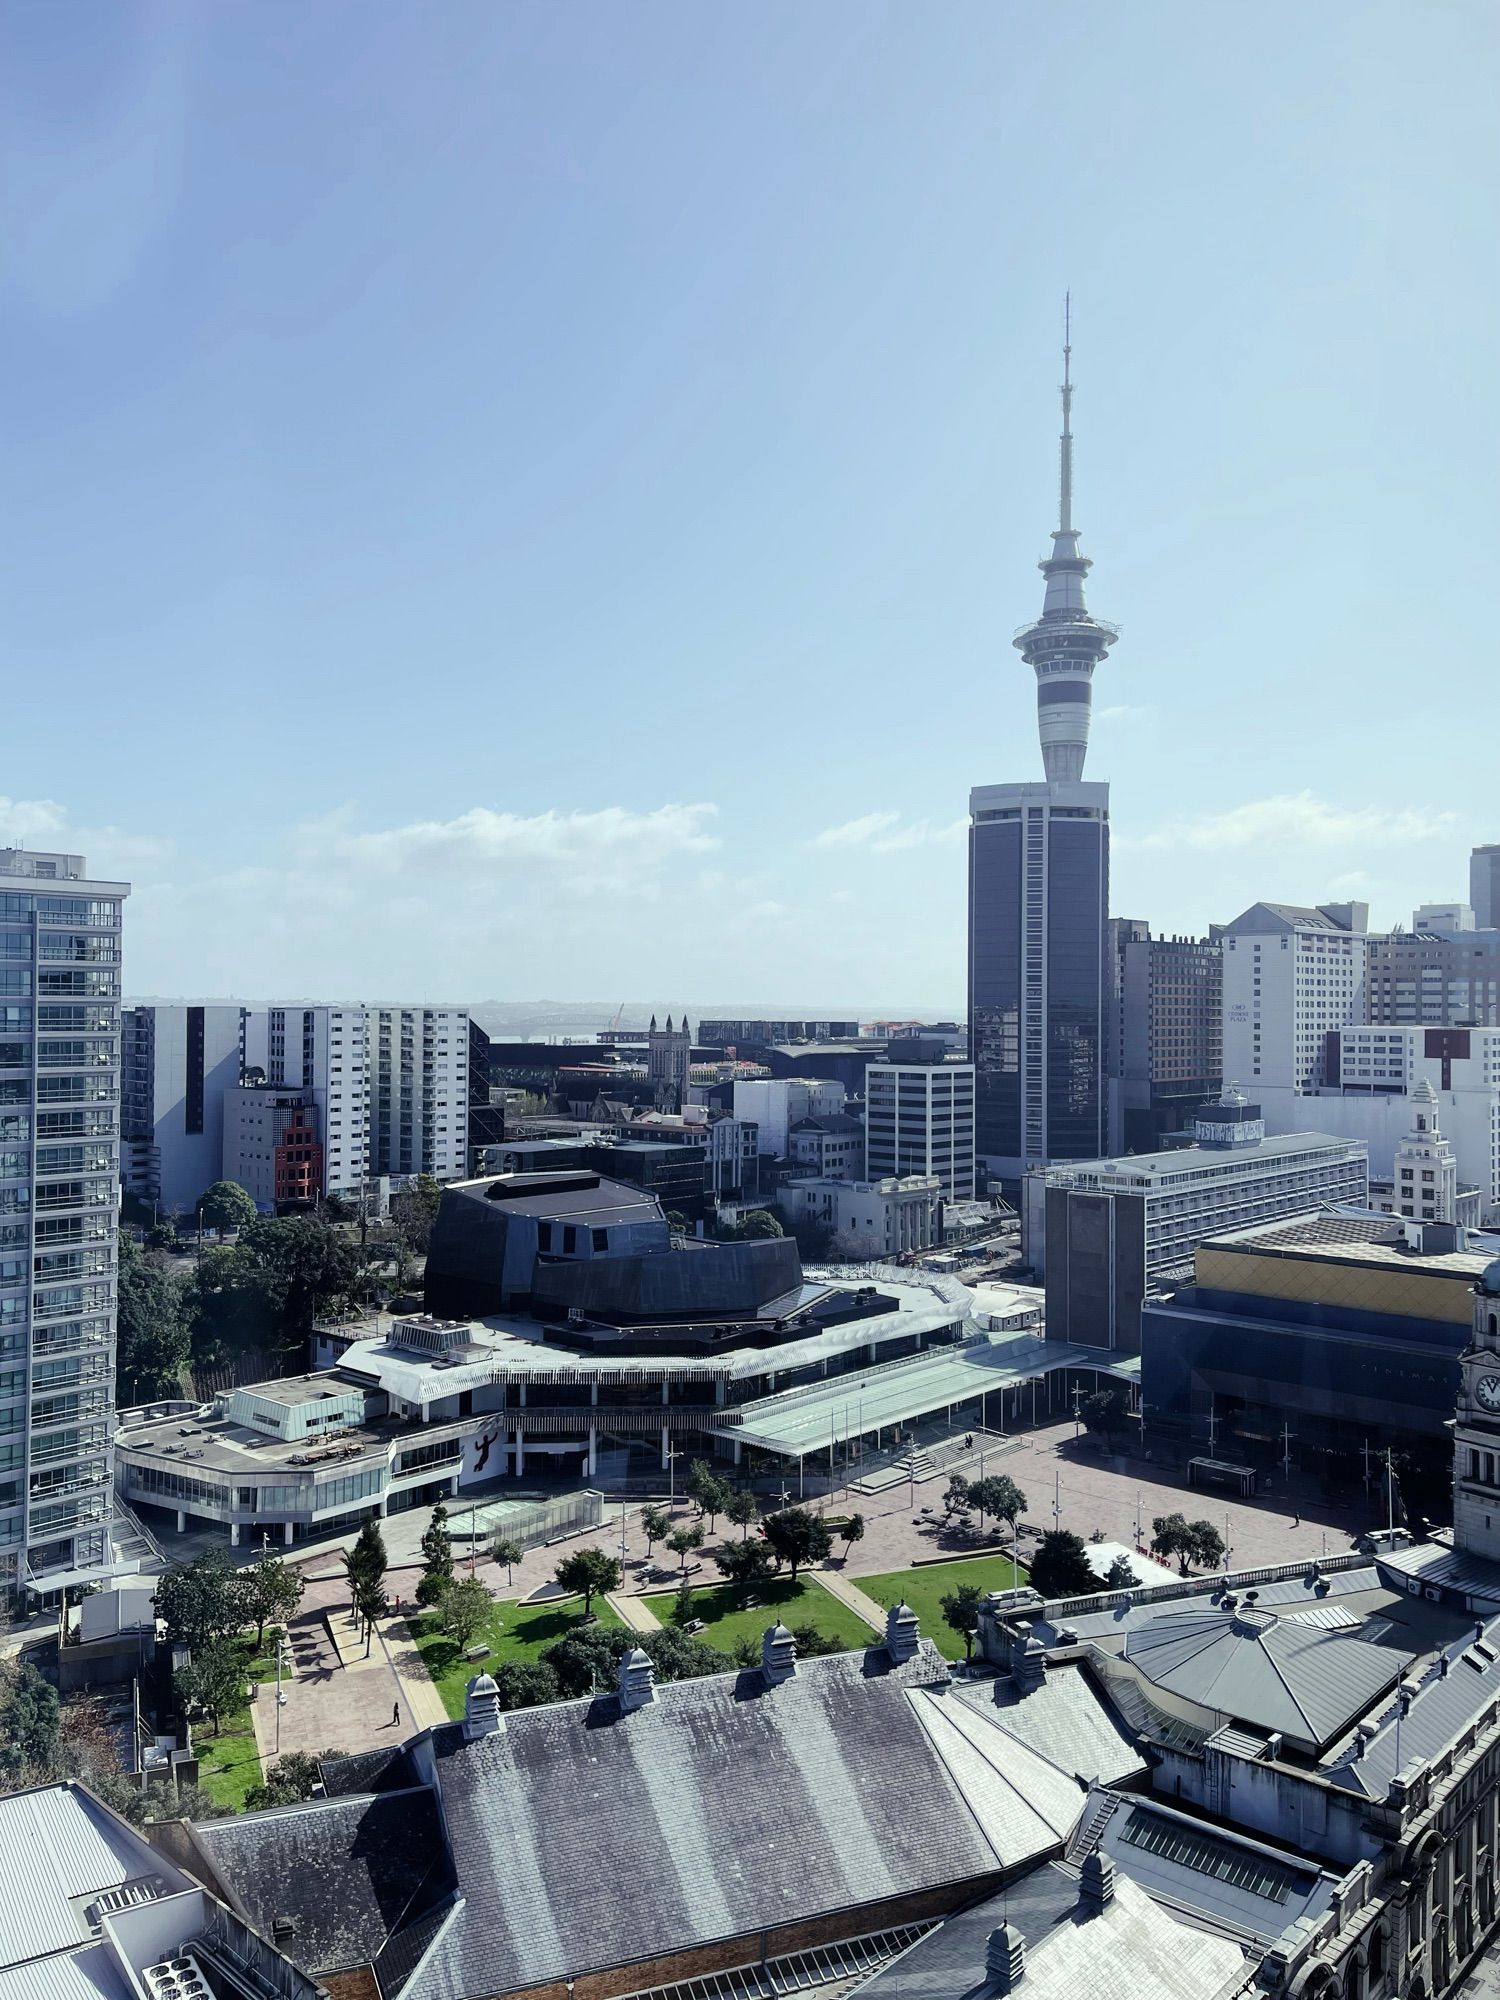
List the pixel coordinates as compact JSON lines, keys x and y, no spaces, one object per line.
{"x":848,"y":1592}
{"x":634,"y":1612}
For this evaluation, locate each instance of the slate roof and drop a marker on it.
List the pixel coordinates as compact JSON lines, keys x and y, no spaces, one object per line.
{"x":584,"y":1838}
{"x":1463,"y":1680}
{"x":1304,"y":1680}
{"x":1132,"y":1950}
{"x":1064,"y":1720}
{"x":348,"y":1872}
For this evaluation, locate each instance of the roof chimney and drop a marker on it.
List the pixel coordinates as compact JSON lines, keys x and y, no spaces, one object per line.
{"x":1005,"y":1958}
{"x":778,"y":1655}
{"x":637,"y":1681}
{"x":901,"y":1632}
{"x":482,"y":1715}
{"x":1096,"y":1883}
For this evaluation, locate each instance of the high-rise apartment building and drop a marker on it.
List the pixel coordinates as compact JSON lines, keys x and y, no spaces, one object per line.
{"x":59,"y":1217}
{"x":1484,"y":887}
{"x":1443,"y":978}
{"x":419,"y":1091}
{"x":323,"y":1050}
{"x":1292,"y":976}
{"x":919,"y":1118}
{"x":178,"y":1063}
{"x":1039,"y":894}
{"x":1165,"y":1053}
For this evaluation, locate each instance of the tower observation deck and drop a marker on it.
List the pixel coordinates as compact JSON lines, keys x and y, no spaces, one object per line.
{"x":1066,"y":643}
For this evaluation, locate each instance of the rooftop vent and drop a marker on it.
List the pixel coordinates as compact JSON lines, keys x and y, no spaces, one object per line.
{"x":637,"y":1681}
{"x":902,"y":1632}
{"x":179,"y":1977}
{"x":1005,"y":1958}
{"x":482,"y":1713}
{"x":778,"y":1655}
{"x":1096,"y":1883}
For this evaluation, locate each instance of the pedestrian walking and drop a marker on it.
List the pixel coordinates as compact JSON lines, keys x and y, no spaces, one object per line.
{"x":396,"y":1716}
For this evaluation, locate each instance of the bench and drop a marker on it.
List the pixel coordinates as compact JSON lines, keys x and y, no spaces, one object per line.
{"x":476,"y":1652}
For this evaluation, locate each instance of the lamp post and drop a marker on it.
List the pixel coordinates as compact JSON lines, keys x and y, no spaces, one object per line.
{"x":280,"y":1697}
{"x":673,"y":1454}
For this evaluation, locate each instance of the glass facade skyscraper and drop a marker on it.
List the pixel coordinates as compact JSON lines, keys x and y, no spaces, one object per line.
{"x":1039,"y":894}
{"x":59,"y":1218}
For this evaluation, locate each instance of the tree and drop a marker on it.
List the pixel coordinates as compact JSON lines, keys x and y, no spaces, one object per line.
{"x":744,"y":1565}
{"x":433,"y":1587}
{"x":201,"y":1600}
{"x":465,"y":1610}
{"x":370,"y":1603}
{"x":437,"y":1549}
{"x":269,"y":1591}
{"x":656,"y":1525}
{"x":292,"y":1778}
{"x":679,"y":1656}
{"x":1208,"y":1545}
{"x":956,"y":1498}
{"x":1120,"y":1575}
{"x":29,"y":1721}
{"x":758,"y":1224}
{"x":1104,"y":1412}
{"x":414,"y":1211}
{"x":213,"y":1681}
{"x":798,"y":1537}
{"x":1172,"y":1537}
{"x":152,"y":1345}
{"x":683,"y":1541}
{"x":226,"y":1207}
{"x":707,"y":1490}
{"x":851,"y":1532}
{"x":309,"y":1266}
{"x":367,"y":1560}
{"x":230,"y":1303}
{"x":1060,"y":1567}
{"x":998,"y":1496}
{"x":587,"y":1571}
{"x":525,"y":1683}
{"x":505,"y":1549}
{"x":742,"y":1508}
{"x":961,"y":1611}
{"x":813,"y":1644}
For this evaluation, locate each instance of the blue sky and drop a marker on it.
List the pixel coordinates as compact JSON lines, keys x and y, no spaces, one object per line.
{"x":505,"y":500}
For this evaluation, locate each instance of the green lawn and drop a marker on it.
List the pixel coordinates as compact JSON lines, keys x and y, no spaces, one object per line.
{"x":804,"y":1602}
{"x":513,"y":1632}
{"x":229,"y":1763}
{"x":925,"y":1589}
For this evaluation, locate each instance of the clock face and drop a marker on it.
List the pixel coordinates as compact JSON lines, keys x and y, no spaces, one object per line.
{"x":1487,"y":1391}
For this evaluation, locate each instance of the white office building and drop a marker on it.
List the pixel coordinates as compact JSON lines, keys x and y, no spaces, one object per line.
{"x":419,"y":1091}
{"x":324,"y":1050}
{"x":59,"y":1217}
{"x":1374,"y":1072}
{"x":919,"y":1119}
{"x":178,"y":1063}
{"x":871,"y":1218}
{"x":1292,"y":975}
{"x":775,"y":1104}
{"x":1105,"y":1234}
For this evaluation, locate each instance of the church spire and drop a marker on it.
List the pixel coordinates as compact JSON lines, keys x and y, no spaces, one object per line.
{"x":1066,"y":643}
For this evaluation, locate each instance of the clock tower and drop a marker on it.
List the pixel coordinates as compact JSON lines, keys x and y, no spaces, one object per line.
{"x":1476,"y":1428}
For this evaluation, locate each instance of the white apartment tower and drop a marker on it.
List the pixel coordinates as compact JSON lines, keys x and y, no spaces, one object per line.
{"x":419,"y":1091}
{"x":178,"y":1063}
{"x":1292,"y":976}
{"x":324,"y":1050}
{"x":59,"y":1217}
{"x":919,"y":1119}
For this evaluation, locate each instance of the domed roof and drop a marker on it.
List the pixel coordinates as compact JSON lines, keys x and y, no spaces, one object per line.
{"x":1489,"y":1280}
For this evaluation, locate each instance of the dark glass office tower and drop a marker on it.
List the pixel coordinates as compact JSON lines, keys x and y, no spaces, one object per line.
{"x":1039,"y":894}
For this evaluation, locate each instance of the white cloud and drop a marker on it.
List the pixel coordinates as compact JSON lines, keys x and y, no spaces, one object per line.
{"x":44,"y":823}
{"x":887,"y":833}
{"x":612,"y":839}
{"x":1125,"y":712}
{"x":1295,"y":820}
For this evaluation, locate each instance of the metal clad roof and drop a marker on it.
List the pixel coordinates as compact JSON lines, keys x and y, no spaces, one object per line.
{"x":63,"y":1847}
{"x":90,"y":1974}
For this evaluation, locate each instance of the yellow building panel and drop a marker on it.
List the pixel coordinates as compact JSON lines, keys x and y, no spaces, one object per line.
{"x":1363,"y":1286}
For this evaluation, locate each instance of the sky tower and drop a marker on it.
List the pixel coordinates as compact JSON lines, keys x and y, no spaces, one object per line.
{"x":1065,"y":644}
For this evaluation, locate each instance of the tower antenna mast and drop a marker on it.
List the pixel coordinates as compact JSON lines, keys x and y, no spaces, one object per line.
{"x":1065,"y":510}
